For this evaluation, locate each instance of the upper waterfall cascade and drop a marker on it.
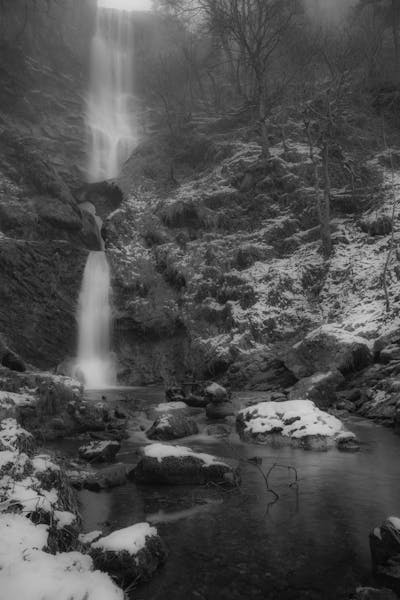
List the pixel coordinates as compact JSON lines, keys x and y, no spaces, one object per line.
{"x":109,"y":112}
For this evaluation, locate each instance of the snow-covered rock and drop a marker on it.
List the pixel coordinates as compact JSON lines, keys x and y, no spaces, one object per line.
{"x":177,"y":465}
{"x":102,"y":451}
{"x":172,"y":426}
{"x":295,"y":422}
{"x":131,"y":554}
{"x":327,"y":348}
{"x":100,"y":479}
{"x":216,"y":393}
{"x":14,"y":437}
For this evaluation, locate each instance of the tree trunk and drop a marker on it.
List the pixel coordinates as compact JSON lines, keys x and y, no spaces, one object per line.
{"x":395,"y":32}
{"x":324,"y":205}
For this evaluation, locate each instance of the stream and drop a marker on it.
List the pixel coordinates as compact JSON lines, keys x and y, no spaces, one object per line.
{"x":310,"y":543}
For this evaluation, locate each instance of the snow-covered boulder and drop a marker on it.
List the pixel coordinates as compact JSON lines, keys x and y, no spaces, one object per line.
{"x":298,"y":423}
{"x":320,"y":388}
{"x":102,"y":451}
{"x":129,"y":555}
{"x":384,"y":543}
{"x":172,"y":426}
{"x":327,"y":348}
{"x":14,"y":437}
{"x":177,"y":465}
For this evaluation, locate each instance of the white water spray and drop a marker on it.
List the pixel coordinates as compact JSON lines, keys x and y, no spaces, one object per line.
{"x":109,"y":114}
{"x":95,"y":363}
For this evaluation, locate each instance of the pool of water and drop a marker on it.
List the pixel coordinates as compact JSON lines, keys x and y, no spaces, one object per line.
{"x":310,"y":542}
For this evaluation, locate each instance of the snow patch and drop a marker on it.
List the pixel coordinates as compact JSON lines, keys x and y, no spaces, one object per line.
{"x":131,"y":539}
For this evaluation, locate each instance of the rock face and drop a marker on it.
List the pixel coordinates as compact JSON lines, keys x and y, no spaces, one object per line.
{"x":46,"y":277}
{"x":320,"y":388}
{"x":129,"y":555}
{"x":297,"y":423}
{"x":385,"y":552}
{"x":172,"y":426}
{"x":177,"y":465}
{"x":327,"y":348}
{"x":99,"y":451}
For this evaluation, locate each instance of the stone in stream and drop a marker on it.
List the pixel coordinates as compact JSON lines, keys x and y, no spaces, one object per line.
{"x":216,"y":393}
{"x":102,"y":451}
{"x":103,"y":479}
{"x":384,"y":544}
{"x":297,"y":423}
{"x":196,"y":401}
{"x":129,"y":555}
{"x":174,"y":394}
{"x":177,"y":465}
{"x":172,"y":426}
{"x":320,"y":388}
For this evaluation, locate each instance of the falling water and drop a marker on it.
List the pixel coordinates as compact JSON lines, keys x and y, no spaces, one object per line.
{"x":95,"y":365}
{"x":109,"y":115}
{"x":111,"y":138}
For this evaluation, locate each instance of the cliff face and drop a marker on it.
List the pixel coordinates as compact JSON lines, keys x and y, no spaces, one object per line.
{"x":44,"y":236}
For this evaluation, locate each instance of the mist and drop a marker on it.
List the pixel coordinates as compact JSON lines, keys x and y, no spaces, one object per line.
{"x":329,"y":11}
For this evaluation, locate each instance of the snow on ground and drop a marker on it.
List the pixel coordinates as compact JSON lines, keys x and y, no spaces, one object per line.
{"x":11,"y":433}
{"x":131,"y":539}
{"x":160,"y":451}
{"x":294,"y":418}
{"x":88,"y":538}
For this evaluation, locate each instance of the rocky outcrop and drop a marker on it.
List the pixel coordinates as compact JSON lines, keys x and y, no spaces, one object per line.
{"x":326,"y":348}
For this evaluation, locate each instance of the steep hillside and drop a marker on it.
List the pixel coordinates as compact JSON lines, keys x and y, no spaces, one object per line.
{"x":217,"y":249}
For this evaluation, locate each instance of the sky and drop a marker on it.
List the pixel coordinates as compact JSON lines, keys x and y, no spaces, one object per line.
{"x":127,"y":4}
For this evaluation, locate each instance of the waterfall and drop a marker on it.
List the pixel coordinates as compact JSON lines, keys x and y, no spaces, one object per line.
{"x":109,"y":111}
{"x":95,"y":365}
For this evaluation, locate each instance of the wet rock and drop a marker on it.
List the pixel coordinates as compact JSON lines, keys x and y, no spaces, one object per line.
{"x":216,"y":393}
{"x":320,"y":388}
{"x":385,"y":553}
{"x":177,"y":465}
{"x":102,"y":479}
{"x":102,"y":451}
{"x":328,"y":348}
{"x":129,"y":555}
{"x":172,"y":426}
{"x":347,"y":442}
{"x":219,"y":410}
{"x":196,"y":401}
{"x":297,"y":423}
{"x":175,"y":394}
{"x":381,"y":225}
{"x":220,"y":430}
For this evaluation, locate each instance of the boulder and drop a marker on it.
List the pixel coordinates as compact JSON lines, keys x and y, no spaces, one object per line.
{"x":320,"y":388}
{"x":101,"y":451}
{"x":297,"y":423}
{"x":216,"y":393}
{"x":177,"y":465}
{"x":129,"y":555}
{"x":219,"y":410}
{"x":103,"y":479}
{"x":328,"y":348}
{"x":172,"y":426}
{"x":385,"y":552}
{"x":196,"y":401}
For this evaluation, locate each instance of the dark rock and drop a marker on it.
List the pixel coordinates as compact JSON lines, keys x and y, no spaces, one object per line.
{"x":381,"y":225}
{"x":13,"y":361}
{"x":347,"y":443}
{"x":219,"y":410}
{"x":172,"y":426}
{"x":138,"y":562}
{"x":175,"y":394}
{"x":320,"y":388}
{"x":103,"y":479}
{"x":385,"y":553}
{"x":196,"y":401}
{"x":219,"y":430}
{"x":102,"y":451}
{"x":390,"y":353}
{"x":190,"y":469}
{"x":368,"y":593}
